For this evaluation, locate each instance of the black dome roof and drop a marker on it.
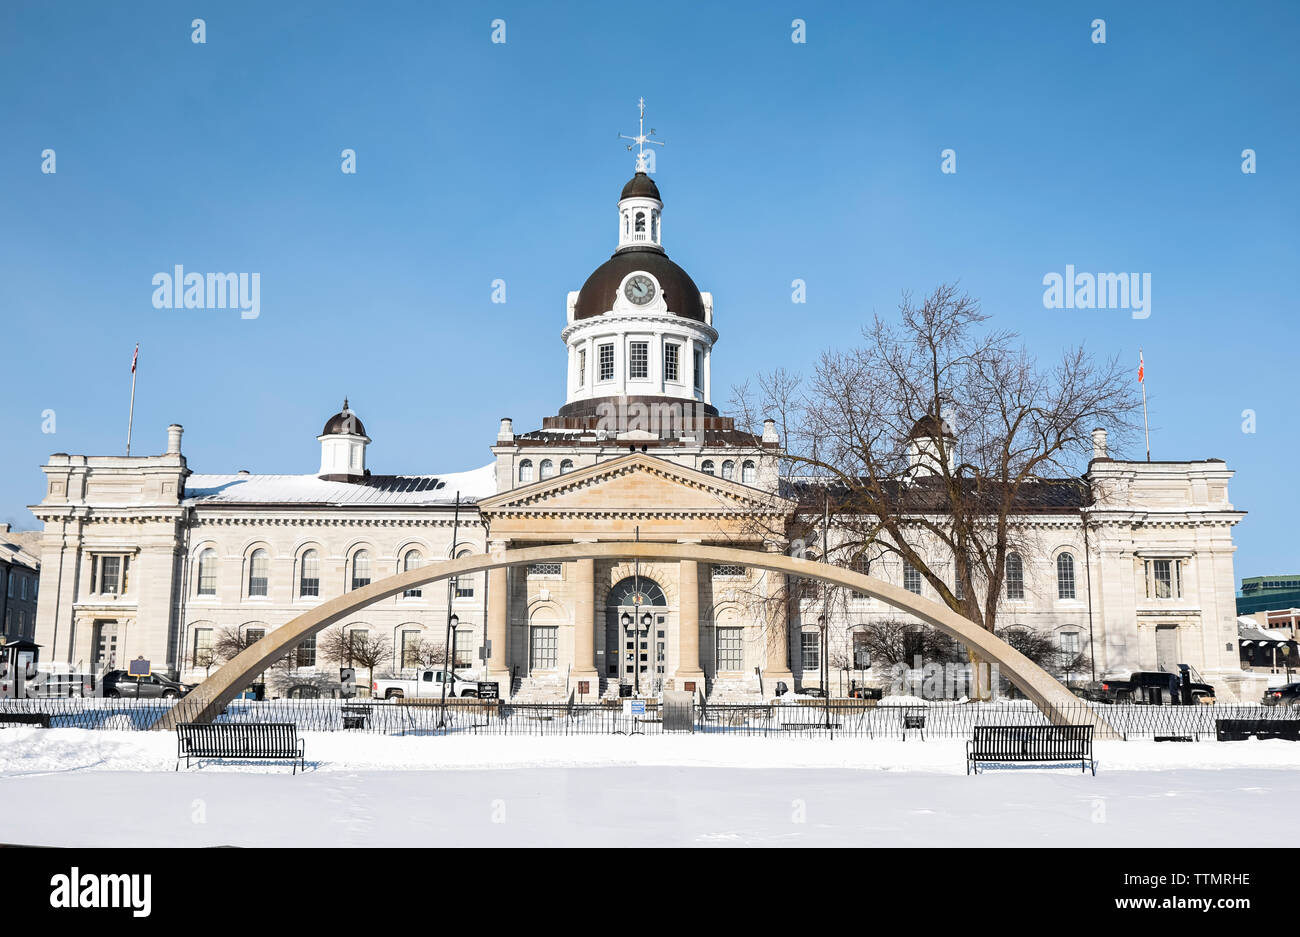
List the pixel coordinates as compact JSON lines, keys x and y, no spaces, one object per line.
{"x":344,"y":423}
{"x":640,"y":186}
{"x":680,"y":292}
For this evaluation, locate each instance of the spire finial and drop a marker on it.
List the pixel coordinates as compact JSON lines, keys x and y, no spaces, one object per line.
{"x":345,"y":404}
{"x":641,"y":138}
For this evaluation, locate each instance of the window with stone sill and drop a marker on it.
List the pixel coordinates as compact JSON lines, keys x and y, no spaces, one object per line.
{"x":259,"y":566}
{"x":1164,"y":578}
{"x":207,"y":584}
{"x":605,"y":362}
{"x":672,"y":359}
{"x":638,"y":360}
{"x":110,"y":574}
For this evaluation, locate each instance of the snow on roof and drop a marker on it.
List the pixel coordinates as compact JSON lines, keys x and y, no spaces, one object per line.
{"x":398,"y":490}
{"x":1249,"y":630}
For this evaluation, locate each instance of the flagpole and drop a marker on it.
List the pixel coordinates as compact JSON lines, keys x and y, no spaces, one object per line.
{"x":1142,"y":380}
{"x":130,"y":421}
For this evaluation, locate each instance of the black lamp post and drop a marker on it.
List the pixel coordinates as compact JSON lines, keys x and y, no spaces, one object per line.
{"x":825,"y":668}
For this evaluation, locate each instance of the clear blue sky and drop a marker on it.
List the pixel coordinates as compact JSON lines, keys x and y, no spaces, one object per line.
{"x":478,"y":161}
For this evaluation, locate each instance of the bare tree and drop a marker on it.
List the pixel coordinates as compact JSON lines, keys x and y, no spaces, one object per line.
{"x":356,"y":649}
{"x":875,"y":430}
{"x":896,"y":642}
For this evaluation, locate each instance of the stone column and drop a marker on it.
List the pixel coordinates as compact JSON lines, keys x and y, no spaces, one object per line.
{"x":688,"y":627}
{"x":775,"y":622}
{"x":498,"y":622}
{"x":584,"y":633}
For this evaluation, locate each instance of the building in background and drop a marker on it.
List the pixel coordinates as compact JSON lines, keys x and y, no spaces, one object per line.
{"x":20,"y":572}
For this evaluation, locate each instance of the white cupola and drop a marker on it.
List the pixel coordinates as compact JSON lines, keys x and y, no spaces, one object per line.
{"x":343,"y":444}
{"x":931,"y":444}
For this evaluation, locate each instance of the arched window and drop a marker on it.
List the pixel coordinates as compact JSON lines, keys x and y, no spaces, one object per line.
{"x":360,"y":569}
{"x":547,"y":469}
{"x":566,"y":466}
{"x":707,"y":466}
{"x":640,"y":225}
{"x":728,"y":470}
{"x":412,"y":559}
{"x":526,"y":471}
{"x":748,"y":473}
{"x":1015,"y":577}
{"x":1065,"y":576}
{"x":464,"y":584}
{"x":259,"y":568}
{"x":309,"y":575}
{"x":208,"y":572}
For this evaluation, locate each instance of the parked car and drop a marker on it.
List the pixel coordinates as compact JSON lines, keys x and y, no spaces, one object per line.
{"x":1288,"y":695}
{"x":1158,"y":688}
{"x":866,"y":692}
{"x":1094,"y":691}
{"x":154,"y":686}
{"x":427,"y":683}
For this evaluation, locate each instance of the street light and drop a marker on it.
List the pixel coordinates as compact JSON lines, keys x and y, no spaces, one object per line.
{"x":825,"y":675}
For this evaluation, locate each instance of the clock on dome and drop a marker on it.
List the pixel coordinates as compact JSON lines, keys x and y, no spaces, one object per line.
{"x":639,"y":289}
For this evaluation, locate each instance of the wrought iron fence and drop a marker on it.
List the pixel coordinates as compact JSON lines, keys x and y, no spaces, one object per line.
{"x":849,"y":719}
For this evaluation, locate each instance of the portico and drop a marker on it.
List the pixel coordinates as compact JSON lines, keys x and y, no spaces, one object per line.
{"x":630,"y":497}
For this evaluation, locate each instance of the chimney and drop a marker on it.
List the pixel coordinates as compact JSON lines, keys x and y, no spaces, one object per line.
{"x":174,"y":439}
{"x":507,"y":431}
{"x":769,"y":431}
{"x":1099,"y":444}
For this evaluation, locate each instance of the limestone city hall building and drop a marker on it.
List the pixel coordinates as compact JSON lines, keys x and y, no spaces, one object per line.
{"x":143,"y":556}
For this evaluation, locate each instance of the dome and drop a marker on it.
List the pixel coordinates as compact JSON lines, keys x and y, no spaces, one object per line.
{"x":344,"y":423}
{"x":927,"y":427}
{"x":640,"y":186}
{"x":680,"y":292}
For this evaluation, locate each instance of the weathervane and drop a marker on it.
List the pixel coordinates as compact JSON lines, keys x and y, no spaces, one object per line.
{"x":641,"y":138}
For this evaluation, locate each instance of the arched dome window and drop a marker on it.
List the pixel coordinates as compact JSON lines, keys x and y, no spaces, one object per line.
{"x":707,"y":467}
{"x":208,"y":572}
{"x":728,"y":470}
{"x":525,"y":471}
{"x":259,"y":568}
{"x":640,"y":226}
{"x":412,"y":559}
{"x":361,"y":569}
{"x":309,"y":574}
{"x":566,"y":466}
{"x":1065,"y":576}
{"x":547,"y":469}
{"x":748,"y":472}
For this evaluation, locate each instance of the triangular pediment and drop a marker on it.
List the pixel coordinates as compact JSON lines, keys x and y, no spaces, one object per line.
{"x":636,"y":483}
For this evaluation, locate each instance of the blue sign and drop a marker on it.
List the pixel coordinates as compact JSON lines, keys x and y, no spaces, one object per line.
{"x":634,"y":707}
{"x":138,"y":668}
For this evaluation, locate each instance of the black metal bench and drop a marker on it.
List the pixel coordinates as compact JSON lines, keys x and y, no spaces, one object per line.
{"x":1238,"y":730}
{"x":26,"y":719}
{"x":1030,"y":744}
{"x":238,"y":741}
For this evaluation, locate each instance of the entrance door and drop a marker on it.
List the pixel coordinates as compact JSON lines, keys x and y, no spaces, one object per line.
{"x":1167,"y":648}
{"x":636,"y":647}
{"x":104,"y":656}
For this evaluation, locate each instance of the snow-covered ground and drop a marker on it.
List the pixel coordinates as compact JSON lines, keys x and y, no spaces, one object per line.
{"x":104,"y":788}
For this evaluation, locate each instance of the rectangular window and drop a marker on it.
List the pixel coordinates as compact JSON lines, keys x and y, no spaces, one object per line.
{"x":728,"y":570}
{"x":672,"y":361}
{"x":109,"y":575}
{"x":861,"y":565}
{"x":202,"y":655}
{"x":543,"y":569}
{"x":861,"y":651}
{"x":207,"y":576}
{"x":911,"y":578}
{"x":1164,"y":579}
{"x":810,"y":650}
{"x":605,"y":361}
{"x":544,"y":647}
{"x":410,"y":650}
{"x":464,"y":587}
{"x":731,"y":650}
{"x":582,"y":367}
{"x":253,"y":635}
{"x":1069,"y":642}
{"x":464,"y":648}
{"x":306,"y":652}
{"x":699,"y":369}
{"x":638,"y":360}
{"x":309,"y":584}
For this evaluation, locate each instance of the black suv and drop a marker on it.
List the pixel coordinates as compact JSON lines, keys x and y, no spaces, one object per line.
{"x":154,"y":686}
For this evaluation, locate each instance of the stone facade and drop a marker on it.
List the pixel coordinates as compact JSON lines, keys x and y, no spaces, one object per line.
{"x":142,"y":556}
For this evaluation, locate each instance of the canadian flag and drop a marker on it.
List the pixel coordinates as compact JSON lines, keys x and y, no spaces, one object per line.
{"x":1141,"y":366}
{"x":136,"y":357}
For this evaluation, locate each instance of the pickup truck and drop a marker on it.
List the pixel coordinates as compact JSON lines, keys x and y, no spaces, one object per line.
{"x":1157,"y":687}
{"x":427,"y":683}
